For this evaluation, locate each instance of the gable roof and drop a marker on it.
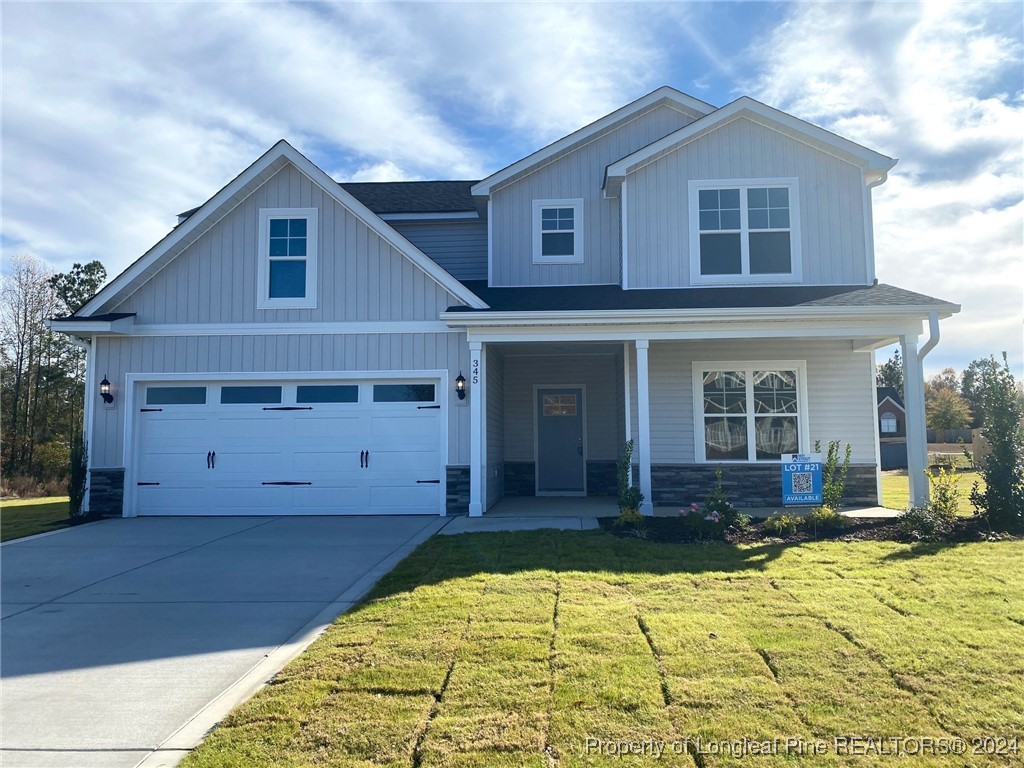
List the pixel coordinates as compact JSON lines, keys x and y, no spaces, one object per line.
{"x":889,"y":393}
{"x":876,"y":165}
{"x":384,"y":197}
{"x":237,"y":190}
{"x":663,"y":95}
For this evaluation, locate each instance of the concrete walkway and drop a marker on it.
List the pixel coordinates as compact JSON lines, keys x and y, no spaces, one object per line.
{"x":124,"y":641}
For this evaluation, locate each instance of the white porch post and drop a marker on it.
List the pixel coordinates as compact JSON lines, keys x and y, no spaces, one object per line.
{"x":477,"y":438}
{"x":643,"y":427}
{"x":917,"y":436}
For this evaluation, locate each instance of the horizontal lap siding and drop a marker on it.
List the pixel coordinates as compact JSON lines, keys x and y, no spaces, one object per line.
{"x":116,"y":357}
{"x":595,"y":372}
{"x":831,"y":204}
{"x":578,"y":174}
{"x":360,"y":276}
{"x":840,"y":387}
{"x":458,"y":246}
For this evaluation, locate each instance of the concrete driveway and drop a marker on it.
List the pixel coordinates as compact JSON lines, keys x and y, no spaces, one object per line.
{"x":124,"y":640}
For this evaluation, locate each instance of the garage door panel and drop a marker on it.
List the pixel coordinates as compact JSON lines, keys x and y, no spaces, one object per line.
{"x":321,"y":445}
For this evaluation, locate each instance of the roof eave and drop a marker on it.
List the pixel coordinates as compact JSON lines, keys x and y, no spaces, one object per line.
{"x":87,"y":327}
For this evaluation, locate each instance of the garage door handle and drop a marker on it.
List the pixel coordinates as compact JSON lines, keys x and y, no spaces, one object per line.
{"x":426,"y":407}
{"x":285,"y":482}
{"x":147,"y":483}
{"x":435,"y":482}
{"x":367,"y":459}
{"x":289,"y":408}
{"x":362,"y":459}
{"x":213,"y":460}
{"x":209,"y":456}
{"x":149,"y":410}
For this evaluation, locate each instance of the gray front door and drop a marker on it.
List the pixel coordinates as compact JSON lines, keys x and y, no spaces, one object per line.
{"x":560,"y":460}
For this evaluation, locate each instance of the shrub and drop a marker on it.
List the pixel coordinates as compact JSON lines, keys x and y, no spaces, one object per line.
{"x":945,"y":493}
{"x":719,"y":508}
{"x":1002,"y":501}
{"x":826,"y":518}
{"x":782,"y":525}
{"x":21,"y":486}
{"x":924,"y":524}
{"x":630,"y":497}
{"x":833,"y":474}
{"x":79,"y":475}
{"x":51,"y":461}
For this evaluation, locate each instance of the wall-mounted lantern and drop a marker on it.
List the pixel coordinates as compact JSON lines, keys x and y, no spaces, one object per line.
{"x":460,"y":386}
{"x":105,"y":391}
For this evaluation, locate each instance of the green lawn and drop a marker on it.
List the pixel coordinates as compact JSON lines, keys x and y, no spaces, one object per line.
{"x":513,"y":649}
{"x":25,"y":517}
{"x":896,"y":490}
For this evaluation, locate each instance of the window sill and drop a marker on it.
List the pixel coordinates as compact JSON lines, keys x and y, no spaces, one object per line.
{"x":557,"y":259}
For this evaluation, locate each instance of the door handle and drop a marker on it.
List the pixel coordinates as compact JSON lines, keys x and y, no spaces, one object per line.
{"x":367,"y":459}
{"x":208,"y":459}
{"x":213,"y":460}
{"x":362,"y":459}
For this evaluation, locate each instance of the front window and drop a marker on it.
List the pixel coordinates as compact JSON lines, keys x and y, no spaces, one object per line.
{"x":744,"y":231}
{"x":287,"y":273}
{"x":889,"y":423}
{"x":557,"y":231}
{"x":748,"y":413}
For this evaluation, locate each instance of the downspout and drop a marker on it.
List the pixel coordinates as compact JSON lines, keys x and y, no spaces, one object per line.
{"x":933,"y":336}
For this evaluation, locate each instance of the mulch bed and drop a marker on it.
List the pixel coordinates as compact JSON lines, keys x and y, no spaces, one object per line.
{"x":670,"y":530}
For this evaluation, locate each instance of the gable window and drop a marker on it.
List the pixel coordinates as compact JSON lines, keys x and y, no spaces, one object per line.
{"x":749,"y":412}
{"x":889,"y":423}
{"x":287,"y":258}
{"x":558,"y":231}
{"x":744,"y":230}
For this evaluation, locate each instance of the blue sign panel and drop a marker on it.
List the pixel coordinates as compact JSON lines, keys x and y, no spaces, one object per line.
{"x":801,"y":479}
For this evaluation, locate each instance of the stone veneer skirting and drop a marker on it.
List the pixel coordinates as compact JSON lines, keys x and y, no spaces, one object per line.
{"x":748,"y":485}
{"x":106,"y":491}
{"x":457,"y":501}
{"x":520,"y":478}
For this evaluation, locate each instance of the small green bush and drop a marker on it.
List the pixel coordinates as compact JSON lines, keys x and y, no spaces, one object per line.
{"x":630,"y":497}
{"x":935,"y":521}
{"x":826,"y":519}
{"x":718,"y":507}
{"x":782,"y":525}
{"x":833,"y":473}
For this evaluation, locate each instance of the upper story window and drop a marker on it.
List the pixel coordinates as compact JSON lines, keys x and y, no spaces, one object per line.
{"x":744,"y":231}
{"x":558,"y":231}
{"x":889,"y":423}
{"x":287,"y":258}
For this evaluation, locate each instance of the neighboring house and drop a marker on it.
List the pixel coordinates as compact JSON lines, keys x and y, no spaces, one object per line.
{"x":699,"y":280}
{"x":892,"y":429}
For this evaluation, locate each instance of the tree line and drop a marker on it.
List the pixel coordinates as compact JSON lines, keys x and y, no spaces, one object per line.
{"x":42,"y":373}
{"x":952,"y":400}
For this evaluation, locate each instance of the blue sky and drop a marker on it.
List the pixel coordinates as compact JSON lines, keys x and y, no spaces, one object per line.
{"x":118,"y":115}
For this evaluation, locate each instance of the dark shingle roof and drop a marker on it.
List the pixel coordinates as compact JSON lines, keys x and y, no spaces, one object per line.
{"x":891,"y":393}
{"x":612,"y":297}
{"x":109,"y":317}
{"x":413,"y":196}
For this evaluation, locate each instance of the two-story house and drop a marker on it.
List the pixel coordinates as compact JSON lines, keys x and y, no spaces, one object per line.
{"x":698,"y":280}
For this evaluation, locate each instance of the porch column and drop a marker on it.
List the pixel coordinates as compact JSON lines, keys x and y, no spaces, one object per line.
{"x":917,"y":436}
{"x":477,"y":438}
{"x":643,"y":427}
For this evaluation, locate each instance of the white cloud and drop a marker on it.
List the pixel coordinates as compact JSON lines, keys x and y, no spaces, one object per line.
{"x":938,"y":86}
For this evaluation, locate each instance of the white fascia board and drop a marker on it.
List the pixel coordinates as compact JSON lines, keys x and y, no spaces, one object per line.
{"x":680,"y":99}
{"x":429,"y":216}
{"x":227,"y":198}
{"x":120,"y":327}
{"x":287,"y":329}
{"x":876,"y":165}
{"x":633,"y":316}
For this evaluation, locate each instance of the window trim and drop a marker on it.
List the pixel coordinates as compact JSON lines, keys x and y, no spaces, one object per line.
{"x":577,"y":241}
{"x":745,"y":277}
{"x":263,"y":299}
{"x":699,"y":368}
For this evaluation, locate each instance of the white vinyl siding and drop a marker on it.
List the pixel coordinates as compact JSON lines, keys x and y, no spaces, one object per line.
{"x":830,"y":201}
{"x":360,"y":276}
{"x":458,"y":246}
{"x":576,"y":174}
{"x":839,"y":384}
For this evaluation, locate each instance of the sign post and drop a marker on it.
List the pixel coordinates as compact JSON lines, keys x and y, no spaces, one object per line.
{"x":801,"y":479}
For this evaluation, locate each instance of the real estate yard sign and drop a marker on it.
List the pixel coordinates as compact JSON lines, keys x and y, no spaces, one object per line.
{"x":801,"y":479}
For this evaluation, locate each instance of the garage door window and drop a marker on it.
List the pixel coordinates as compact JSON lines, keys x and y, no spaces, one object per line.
{"x":328,"y":393}
{"x":176,"y":396}
{"x":403,"y":393}
{"x":257,"y":394}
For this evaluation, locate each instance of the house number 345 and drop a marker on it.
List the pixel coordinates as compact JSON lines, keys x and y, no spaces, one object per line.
{"x":475,"y":371}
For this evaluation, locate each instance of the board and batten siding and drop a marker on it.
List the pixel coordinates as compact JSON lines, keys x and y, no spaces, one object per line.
{"x":270,"y":354}
{"x":458,"y":246}
{"x":831,"y":201}
{"x":596,"y":373}
{"x":360,"y":276}
{"x":840,"y":391}
{"x":576,"y":174}
{"x":495,"y":426}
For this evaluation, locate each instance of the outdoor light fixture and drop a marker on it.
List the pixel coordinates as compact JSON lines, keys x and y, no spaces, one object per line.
{"x":460,"y":386}
{"x":105,"y":391}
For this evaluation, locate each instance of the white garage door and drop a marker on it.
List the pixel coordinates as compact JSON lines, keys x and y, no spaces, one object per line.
{"x":306,"y":448}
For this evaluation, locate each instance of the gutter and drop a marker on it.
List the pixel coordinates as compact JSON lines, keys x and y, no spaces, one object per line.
{"x":933,"y":336}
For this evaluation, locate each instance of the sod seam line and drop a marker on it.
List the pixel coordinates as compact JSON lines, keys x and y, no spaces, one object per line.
{"x":550,"y":753}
